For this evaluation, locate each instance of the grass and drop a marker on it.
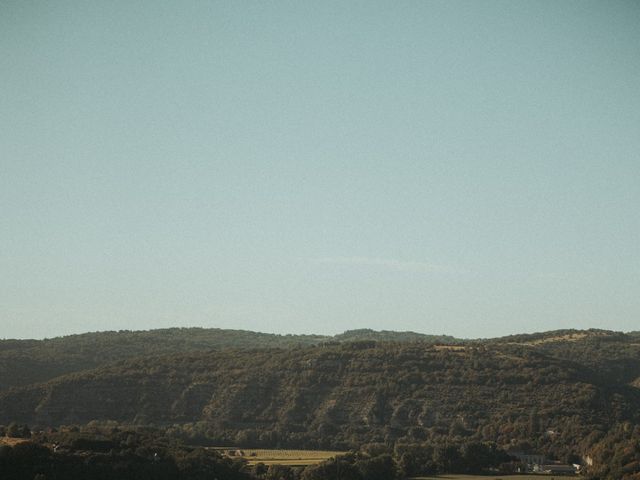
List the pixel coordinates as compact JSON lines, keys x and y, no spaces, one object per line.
{"x":283,"y":457}
{"x":12,"y":441}
{"x":494,"y":477}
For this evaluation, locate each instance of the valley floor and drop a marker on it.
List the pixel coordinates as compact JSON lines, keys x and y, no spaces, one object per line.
{"x":12,"y":441}
{"x":281,"y":457}
{"x":532,"y":476}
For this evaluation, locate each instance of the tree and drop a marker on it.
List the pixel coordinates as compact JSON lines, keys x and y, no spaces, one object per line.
{"x":279,"y":472}
{"x":447,"y":458}
{"x":18,"y":431}
{"x":334,"y":469}
{"x":382,"y":467}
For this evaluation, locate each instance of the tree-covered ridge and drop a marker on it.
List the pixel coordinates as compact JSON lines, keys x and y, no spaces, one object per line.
{"x":568,"y":394}
{"x":23,"y":362}
{"x":364,"y":334}
{"x":343,"y":395}
{"x":559,"y":336}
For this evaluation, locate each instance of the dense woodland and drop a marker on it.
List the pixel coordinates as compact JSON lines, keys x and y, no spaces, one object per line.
{"x":412,"y":405}
{"x":23,"y":362}
{"x":113,"y":453}
{"x":109,"y":452}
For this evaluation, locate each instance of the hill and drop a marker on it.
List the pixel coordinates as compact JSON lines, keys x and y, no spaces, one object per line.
{"x":366,"y":334}
{"x":559,"y":397}
{"x":24,"y":362}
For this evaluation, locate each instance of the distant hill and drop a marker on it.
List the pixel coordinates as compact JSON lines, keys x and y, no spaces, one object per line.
{"x":24,"y":362}
{"x":366,"y":334}
{"x":553,"y":336}
{"x":559,"y":397}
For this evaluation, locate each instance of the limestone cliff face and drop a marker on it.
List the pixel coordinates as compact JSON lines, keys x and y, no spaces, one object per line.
{"x":349,"y":392}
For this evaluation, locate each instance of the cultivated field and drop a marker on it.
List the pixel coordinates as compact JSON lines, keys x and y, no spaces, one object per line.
{"x":282,"y":457}
{"x":12,"y":441}
{"x":495,"y":477}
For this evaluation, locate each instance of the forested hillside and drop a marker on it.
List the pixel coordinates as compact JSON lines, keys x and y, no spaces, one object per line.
{"x":555,"y":395}
{"x":23,"y":362}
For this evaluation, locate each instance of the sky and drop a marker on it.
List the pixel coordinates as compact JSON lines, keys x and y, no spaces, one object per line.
{"x":469,"y":168}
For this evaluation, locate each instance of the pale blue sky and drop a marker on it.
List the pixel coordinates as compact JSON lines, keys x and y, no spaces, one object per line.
{"x":469,"y":168}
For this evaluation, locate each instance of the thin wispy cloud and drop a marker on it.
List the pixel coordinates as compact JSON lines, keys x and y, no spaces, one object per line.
{"x":387,"y":263}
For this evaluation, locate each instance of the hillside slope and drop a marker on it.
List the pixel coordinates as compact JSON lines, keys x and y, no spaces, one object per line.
{"x":343,"y":395}
{"x":24,"y":362}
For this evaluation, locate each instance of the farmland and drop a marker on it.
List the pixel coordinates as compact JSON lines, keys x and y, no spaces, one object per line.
{"x":493,"y":477}
{"x":283,"y":457}
{"x":12,"y":441}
